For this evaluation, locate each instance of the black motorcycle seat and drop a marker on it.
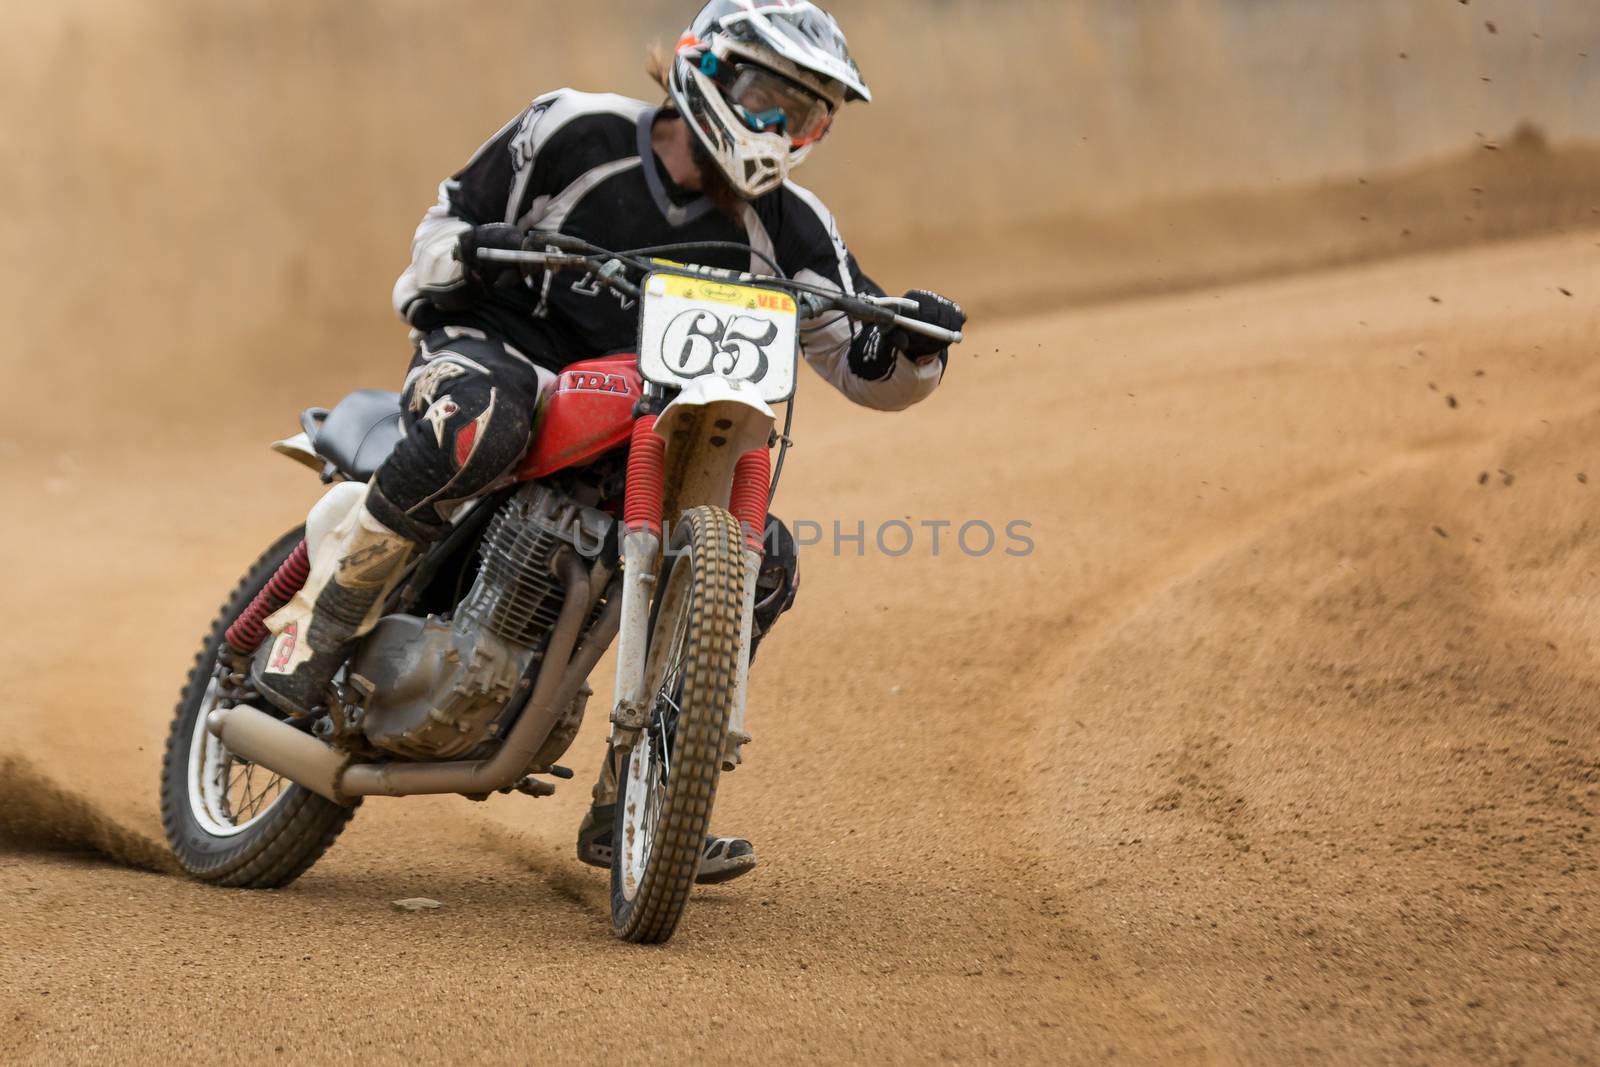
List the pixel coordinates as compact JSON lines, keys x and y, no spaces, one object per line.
{"x":359,"y":433}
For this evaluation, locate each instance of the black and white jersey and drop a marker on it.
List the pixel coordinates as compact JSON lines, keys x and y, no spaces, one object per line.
{"x":581,"y":164}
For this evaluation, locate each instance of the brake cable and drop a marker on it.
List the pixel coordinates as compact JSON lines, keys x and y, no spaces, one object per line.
{"x":709,"y":246}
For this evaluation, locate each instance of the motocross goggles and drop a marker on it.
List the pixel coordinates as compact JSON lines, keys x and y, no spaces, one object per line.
{"x":768,"y":102}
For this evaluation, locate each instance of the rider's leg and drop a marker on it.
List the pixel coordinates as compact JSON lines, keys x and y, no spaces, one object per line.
{"x":355,"y":562}
{"x":778,"y":582}
{"x":469,"y":407}
{"x":470,"y":402}
{"x":725,"y":858}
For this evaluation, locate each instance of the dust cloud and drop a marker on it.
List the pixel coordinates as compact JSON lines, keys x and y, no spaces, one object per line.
{"x":38,"y":815}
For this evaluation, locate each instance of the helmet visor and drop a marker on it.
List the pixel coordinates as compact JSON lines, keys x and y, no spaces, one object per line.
{"x":771,"y":103}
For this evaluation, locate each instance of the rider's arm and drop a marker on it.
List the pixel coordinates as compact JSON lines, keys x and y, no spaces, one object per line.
{"x":477,"y":194}
{"x":857,"y":359}
{"x":512,"y":180}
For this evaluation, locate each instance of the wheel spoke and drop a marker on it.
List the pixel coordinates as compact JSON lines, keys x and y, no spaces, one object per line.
{"x":241,"y":804}
{"x":238,"y":776}
{"x":255,"y":802}
{"x":249,"y":779}
{"x":228,"y":796}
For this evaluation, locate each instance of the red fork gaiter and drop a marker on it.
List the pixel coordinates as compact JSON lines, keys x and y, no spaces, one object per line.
{"x":752,"y":491}
{"x":250,"y":628}
{"x":647,"y":478}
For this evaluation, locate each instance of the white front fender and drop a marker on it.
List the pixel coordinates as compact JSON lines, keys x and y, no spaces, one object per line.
{"x":749,"y":418}
{"x":708,"y":427}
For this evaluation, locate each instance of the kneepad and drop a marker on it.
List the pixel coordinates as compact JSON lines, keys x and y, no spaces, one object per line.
{"x":779,"y":580}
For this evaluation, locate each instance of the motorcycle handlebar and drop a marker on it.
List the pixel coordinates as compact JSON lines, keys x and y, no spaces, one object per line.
{"x":879,"y":312}
{"x":546,"y":260}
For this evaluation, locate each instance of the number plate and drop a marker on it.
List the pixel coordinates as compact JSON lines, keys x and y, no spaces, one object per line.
{"x":693,"y":327}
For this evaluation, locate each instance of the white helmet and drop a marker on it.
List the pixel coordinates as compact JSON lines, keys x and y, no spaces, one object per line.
{"x":759,"y":82}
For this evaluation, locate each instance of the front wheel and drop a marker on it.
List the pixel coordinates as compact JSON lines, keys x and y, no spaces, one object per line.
{"x":229,"y":821}
{"x":668,"y":779}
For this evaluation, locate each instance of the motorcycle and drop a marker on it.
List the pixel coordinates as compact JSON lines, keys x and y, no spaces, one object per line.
{"x":636,"y":518}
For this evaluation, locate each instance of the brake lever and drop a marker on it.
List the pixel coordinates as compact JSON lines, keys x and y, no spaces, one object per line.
{"x":928,"y":330}
{"x":917,"y":326}
{"x":878,"y":311}
{"x":900,"y":302}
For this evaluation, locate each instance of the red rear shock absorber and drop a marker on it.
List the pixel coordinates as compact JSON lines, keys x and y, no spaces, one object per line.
{"x":249,"y":630}
{"x":647,"y":478}
{"x":752,"y":493}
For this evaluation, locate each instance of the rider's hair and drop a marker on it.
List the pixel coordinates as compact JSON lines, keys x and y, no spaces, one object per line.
{"x":715,"y":185}
{"x":657,"y":64}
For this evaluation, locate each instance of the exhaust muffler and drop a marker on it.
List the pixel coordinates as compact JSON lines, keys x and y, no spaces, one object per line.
{"x":281,"y":749}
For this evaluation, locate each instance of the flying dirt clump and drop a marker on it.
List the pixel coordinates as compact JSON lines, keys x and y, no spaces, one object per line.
{"x":37,"y":815}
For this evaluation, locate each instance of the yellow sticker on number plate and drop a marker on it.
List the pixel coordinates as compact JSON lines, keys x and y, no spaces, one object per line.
{"x":711,"y":291}
{"x":694,"y":327}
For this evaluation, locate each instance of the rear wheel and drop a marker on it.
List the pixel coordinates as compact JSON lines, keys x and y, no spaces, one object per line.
{"x":668,"y":780}
{"x":229,"y":821}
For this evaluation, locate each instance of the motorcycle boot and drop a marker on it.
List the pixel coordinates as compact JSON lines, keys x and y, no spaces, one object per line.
{"x":722,"y":859}
{"x":356,"y":563}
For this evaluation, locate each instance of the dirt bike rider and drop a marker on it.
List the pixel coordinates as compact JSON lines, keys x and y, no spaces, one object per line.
{"x":752,"y":87}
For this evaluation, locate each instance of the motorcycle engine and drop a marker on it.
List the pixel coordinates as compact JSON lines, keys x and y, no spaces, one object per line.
{"x":440,"y":687}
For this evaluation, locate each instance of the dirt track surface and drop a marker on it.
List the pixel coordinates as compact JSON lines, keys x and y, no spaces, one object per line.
{"x":1280,"y":748}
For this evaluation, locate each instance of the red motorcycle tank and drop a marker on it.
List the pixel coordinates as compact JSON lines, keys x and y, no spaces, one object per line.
{"x":590,"y":412}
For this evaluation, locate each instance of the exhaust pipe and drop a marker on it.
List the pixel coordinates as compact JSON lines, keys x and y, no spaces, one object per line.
{"x":280,"y":748}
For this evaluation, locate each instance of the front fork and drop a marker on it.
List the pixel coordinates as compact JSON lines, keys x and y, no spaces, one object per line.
{"x":631,"y":713}
{"x":641,"y":551}
{"x":641,"y":572}
{"x":737,"y":737}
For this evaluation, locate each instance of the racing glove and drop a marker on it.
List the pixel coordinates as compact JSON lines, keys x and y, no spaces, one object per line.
{"x":934,"y":310}
{"x":491,"y":235}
